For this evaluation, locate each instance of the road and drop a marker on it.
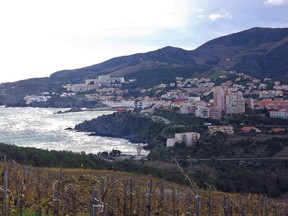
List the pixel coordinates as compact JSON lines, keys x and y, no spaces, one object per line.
{"x":160,"y":119}
{"x":239,"y":159}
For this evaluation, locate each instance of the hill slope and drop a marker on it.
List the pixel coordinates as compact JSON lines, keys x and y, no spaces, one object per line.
{"x":120,"y":66}
{"x":257,"y":51}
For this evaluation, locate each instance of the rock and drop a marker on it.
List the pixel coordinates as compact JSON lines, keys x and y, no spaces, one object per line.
{"x":132,"y":127}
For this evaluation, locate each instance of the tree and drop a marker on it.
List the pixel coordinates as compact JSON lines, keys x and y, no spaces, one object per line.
{"x":115,"y":153}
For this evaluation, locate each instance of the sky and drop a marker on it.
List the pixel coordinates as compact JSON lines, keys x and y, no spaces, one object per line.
{"x":40,"y":37}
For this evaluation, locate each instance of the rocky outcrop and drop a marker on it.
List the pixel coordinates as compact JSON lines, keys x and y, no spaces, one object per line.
{"x":128,"y":126}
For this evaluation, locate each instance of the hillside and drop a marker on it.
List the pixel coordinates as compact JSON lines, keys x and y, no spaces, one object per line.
{"x":136,"y":128}
{"x":13,"y":93}
{"x":261,"y":52}
{"x":129,"y":186}
{"x":73,"y":191}
{"x":120,"y":66}
{"x":257,"y":51}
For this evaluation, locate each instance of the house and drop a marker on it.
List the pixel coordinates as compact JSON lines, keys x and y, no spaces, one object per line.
{"x":121,"y":110}
{"x":249,"y":129}
{"x":283,"y":113}
{"x":278,"y":130}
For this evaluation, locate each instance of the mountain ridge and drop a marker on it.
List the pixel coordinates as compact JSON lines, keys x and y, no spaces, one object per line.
{"x":249,"y":47}
{"x":149,"y":60}
{"x":260,"y":52}
{"x":246,"y":51}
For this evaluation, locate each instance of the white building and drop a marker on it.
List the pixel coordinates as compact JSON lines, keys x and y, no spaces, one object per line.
{"x":81,"y":87}
{"x":194,"y":99}
{"x":283,"y":113}
{"x":235,"y":104}
{"x":229,"y":102}
{"x":189,"y":138}
{"x":122,"y":103}
{"x":36,"y":98}
{"x":240,"y":105}
{"x":186,"y":108}
{"x":148,"y":103}
{"x":202,"y":110}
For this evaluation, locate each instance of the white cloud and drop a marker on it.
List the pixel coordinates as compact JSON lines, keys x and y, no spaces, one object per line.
{"x":276,"y":2}
{"x":200,"y":12}
{"x":220,"y":15}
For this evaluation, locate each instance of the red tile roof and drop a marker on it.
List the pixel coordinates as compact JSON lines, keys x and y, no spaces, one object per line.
{"x":247,"y":128}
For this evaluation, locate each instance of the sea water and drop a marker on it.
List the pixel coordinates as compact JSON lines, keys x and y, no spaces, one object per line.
{"x":42,"y":128}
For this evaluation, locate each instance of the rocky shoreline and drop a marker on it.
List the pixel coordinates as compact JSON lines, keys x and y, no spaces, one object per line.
{"x":84,"y":110}
{"x":133,"y":127}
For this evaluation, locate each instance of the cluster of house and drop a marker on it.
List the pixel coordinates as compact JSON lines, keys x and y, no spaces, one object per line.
{"x":43,"y":97}
{"x":278,"y":108}
{"x":100,"y":82}
{"x":190,"y":138}
{"x":224,"y":102}
{"x":230,"y":96}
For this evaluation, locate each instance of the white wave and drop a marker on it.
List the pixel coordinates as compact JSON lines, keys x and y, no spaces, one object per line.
{"x":41,"y":128}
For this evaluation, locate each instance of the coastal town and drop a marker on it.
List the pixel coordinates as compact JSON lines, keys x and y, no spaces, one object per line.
{"x":213,"y":119}
{"x":228,"y":94}
{"x":231,"y":93}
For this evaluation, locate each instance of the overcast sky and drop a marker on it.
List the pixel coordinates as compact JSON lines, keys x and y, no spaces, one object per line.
{"x":38,"y":37}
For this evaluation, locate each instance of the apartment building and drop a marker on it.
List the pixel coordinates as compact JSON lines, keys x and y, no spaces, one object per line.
{"x":189,"y":138}
{"x":202,"y":110}
{"x":219,"y":98}
{"x":228,"y":102}
{"x":186,"y":108}
{"x":215,"y":113}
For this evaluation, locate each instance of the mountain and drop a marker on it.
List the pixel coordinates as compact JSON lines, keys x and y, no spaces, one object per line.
{"x":261,"y":52}
{"x":121,"y":66}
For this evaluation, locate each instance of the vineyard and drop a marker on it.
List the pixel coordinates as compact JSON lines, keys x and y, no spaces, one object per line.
{"x":50,"y":191}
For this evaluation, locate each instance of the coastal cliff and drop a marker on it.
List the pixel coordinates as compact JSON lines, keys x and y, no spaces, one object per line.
{"x":133,"y":127}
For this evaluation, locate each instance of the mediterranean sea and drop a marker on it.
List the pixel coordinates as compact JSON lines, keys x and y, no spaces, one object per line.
{"x":42,"y":128}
